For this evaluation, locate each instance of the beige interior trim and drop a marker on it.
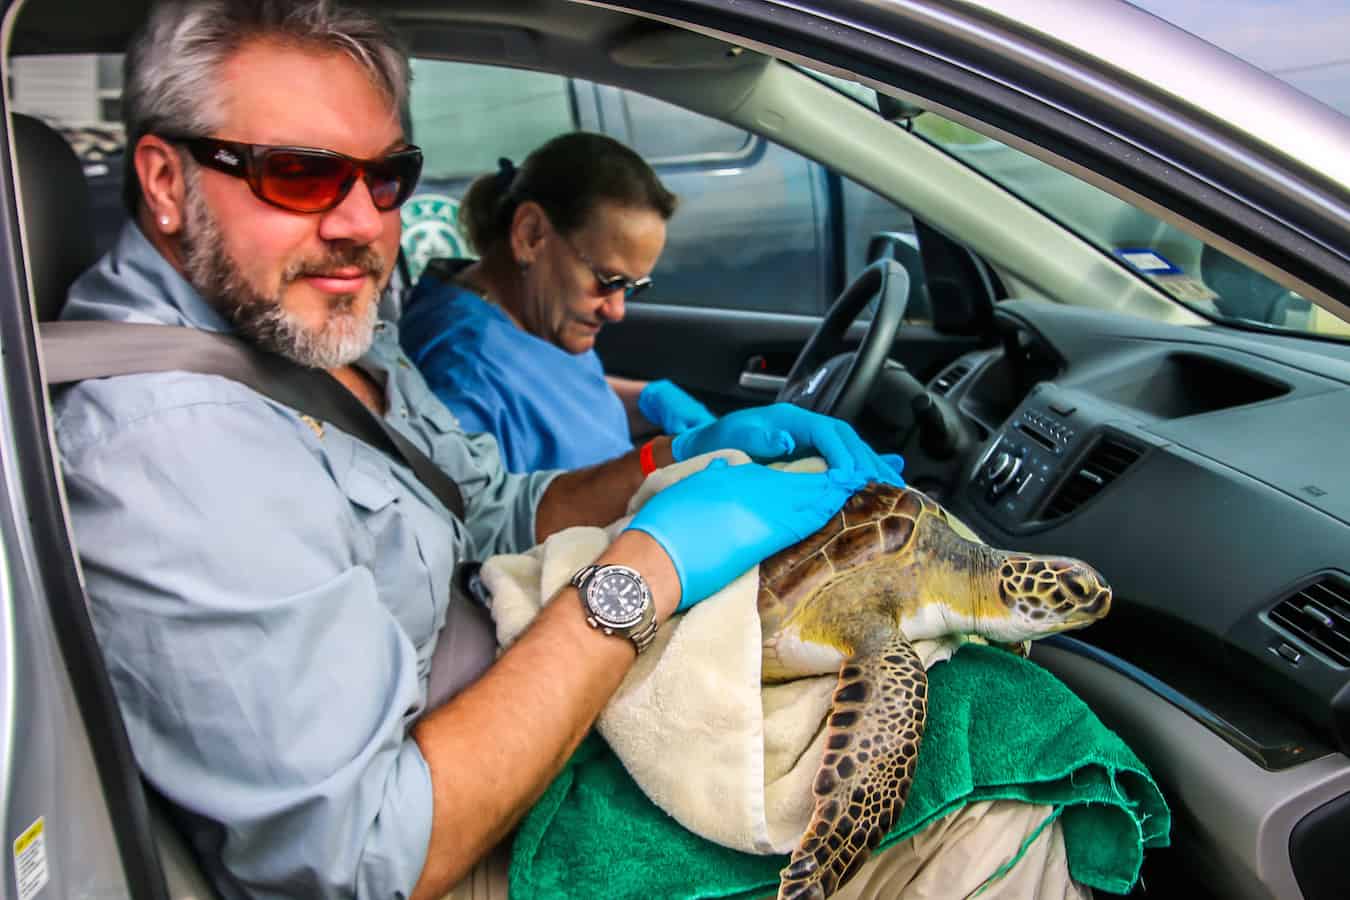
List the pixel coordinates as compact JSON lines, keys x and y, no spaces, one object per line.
{"x":811,"y":118}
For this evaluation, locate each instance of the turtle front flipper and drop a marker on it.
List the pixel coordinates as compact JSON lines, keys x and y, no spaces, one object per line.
{"x":871,"y":749}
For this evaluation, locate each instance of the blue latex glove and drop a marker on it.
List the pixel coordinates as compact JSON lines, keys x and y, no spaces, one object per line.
{"x":719,"y":522}
{"x":666,"y":405}
{"x":897,"y":463}
{"x":784,"y":431}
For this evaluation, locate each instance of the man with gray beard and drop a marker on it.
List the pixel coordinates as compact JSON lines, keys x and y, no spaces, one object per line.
{"x":207,"y":265}
{"x":272,"y":595}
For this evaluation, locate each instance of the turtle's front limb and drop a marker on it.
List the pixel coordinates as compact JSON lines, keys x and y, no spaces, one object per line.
{"x":872,"y":742}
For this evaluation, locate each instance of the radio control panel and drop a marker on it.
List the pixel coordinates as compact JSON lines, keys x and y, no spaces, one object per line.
{"x":1024,"y":458}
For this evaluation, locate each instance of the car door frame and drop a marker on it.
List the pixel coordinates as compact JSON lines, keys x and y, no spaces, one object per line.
{"x":60,"y":658}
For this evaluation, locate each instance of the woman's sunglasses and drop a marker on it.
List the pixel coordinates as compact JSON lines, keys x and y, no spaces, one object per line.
{"x":608,"y":283}
{"x":308,"y":179}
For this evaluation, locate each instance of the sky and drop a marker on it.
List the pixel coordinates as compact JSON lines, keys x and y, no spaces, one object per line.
{"x":1304,"y":42}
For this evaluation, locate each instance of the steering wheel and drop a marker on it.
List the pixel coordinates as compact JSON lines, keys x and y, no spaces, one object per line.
{"x":825,"y":378}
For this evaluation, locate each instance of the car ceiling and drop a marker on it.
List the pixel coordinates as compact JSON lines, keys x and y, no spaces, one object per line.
{"x":550,"y":24}
{"x":602,"y":45}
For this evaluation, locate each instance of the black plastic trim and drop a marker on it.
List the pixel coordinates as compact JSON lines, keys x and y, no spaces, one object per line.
{"x":1269,"y":758}
{"x":835,"y":256}
{"x":1104,"y":434}
{"x":1317,"y":851}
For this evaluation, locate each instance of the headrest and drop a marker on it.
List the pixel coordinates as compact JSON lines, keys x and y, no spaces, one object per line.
{"x":56,"y":212}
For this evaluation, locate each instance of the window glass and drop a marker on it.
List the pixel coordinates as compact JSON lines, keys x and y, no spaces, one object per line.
{"x":80,"y":95}
{"x":467,"y":116}
{"x":1187,"y":269}
{"x":746,"y":236}
{"x":868,"y":215}
{"x":664,"y":133}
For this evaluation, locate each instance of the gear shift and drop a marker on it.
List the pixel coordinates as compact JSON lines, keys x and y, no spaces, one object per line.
{"x":937,"y":433}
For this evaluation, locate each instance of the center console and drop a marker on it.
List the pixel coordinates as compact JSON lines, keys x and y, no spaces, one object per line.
{"x":1029,"y":456}
{"x":1191,"y":553}
{"x":1057,"y":450}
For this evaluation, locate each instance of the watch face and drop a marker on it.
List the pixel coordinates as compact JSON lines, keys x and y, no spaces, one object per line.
{"x":616,"y":597}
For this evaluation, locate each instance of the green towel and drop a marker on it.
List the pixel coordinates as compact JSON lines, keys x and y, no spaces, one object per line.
{"x":998,"y":727}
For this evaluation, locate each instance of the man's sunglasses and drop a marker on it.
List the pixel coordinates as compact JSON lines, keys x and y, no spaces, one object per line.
{"x":308,"y":179}
{"x":609,"y":283}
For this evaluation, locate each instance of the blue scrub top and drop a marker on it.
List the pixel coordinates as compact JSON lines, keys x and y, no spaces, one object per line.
{"x":547,"y":408}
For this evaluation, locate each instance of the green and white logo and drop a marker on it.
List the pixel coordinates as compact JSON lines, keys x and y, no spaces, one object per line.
{"x":431,"y":230}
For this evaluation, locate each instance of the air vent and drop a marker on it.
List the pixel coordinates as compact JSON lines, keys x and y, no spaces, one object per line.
{"x":950,"y":378}
{"x":1107,"y":461}
{"x":1319,"y":616}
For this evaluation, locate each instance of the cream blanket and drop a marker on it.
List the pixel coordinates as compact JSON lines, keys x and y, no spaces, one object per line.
{"x":730,"y":759}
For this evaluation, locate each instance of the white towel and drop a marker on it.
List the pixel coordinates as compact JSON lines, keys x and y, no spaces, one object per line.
{"x":729,"y":758}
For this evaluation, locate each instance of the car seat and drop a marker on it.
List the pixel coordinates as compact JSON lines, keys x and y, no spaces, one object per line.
{"x":55,"y":209}
{"x":59,"y":245}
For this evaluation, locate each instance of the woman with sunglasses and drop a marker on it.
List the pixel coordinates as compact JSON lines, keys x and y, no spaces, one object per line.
{"x":507,"y":342}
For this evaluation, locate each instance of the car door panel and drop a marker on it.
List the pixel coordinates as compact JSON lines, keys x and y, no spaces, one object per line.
{"x":709,"y":351}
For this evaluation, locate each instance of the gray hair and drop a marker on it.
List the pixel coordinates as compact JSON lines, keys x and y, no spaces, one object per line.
{"x":173,"y":63}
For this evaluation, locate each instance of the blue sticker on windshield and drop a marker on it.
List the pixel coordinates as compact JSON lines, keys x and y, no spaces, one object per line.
{"x":1148,"y":261}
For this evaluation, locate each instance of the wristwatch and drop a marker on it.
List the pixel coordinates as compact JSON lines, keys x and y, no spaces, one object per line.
{"x":617,"y":601}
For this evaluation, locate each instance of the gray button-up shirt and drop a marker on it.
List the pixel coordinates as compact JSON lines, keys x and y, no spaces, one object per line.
{"x":267,"y":593}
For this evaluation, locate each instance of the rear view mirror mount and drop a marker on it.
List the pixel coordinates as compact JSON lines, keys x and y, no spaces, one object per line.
{"x":893,"y":109}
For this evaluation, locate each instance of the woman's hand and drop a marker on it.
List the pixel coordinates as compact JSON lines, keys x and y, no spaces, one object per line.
{"x":666,"y":405}
{"x":717,"y":523}
{"x":784,"y":431}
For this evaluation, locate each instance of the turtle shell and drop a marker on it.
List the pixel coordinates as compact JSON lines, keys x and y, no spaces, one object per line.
{"x":879,"y":520}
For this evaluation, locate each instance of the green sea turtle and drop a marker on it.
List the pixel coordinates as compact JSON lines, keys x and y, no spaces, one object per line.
{"x":888,"y":569}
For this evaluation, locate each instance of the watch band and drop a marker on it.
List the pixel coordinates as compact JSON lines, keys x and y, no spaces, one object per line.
{"x":646,"y":632}
{"x":578,"y":579}
{"x":641,"y":633}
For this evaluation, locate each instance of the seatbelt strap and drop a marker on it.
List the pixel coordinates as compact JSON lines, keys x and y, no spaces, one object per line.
{"x":74,"y":351}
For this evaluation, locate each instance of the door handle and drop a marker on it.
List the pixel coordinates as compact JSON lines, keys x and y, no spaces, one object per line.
{"x":755,"y":377}
{"x":767,"y":384}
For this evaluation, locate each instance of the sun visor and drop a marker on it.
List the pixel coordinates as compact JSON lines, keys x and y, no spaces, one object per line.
{"x":665,"y":47}
{"x":469,"y":43}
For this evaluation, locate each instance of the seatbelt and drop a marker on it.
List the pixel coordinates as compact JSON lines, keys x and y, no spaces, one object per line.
{"x":74,"y":351}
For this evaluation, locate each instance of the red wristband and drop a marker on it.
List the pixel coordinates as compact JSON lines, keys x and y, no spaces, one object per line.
{"x":646,"y":459}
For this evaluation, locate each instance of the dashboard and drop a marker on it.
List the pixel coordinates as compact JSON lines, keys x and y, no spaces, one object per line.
{"x":1203,"y":472}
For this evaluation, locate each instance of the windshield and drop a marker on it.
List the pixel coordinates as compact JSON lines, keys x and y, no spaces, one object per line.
{"x":1185,"y":268}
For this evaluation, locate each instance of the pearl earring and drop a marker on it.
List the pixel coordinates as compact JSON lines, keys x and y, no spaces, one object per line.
{"x":164,"y":220}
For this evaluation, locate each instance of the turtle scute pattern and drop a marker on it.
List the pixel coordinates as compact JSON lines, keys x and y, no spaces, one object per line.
{"x":846,"y":589}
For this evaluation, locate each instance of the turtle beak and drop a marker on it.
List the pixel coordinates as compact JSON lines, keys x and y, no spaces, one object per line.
{"x":1093,"y":595}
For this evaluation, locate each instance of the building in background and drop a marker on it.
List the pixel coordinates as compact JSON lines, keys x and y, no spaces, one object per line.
{"x":78,"y":94}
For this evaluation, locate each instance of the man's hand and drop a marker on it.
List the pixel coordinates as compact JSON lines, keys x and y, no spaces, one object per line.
{"x":784,"y":431}
{"x":667,"y":406}
{"x":719,"y":522}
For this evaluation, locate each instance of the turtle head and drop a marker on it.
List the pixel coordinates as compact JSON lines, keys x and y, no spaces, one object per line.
{"x":1043,"y":595}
